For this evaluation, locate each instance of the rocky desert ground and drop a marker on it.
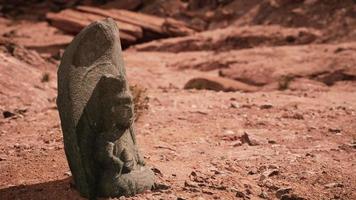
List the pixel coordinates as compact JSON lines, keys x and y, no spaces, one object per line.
{"x":237,"y":99}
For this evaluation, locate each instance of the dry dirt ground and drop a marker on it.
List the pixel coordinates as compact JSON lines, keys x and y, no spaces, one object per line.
{"x":293,"y":138}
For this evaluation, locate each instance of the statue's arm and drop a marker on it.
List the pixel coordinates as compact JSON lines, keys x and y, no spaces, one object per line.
{"x":140,"y":159}
{"x":106,"y":155}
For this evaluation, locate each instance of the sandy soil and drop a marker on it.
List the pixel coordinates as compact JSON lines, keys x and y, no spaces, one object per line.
{"x":295,"y":142}
{"x":299,"y":140}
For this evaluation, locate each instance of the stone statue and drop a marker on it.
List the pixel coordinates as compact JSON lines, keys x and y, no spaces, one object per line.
{"x":96,"y":112}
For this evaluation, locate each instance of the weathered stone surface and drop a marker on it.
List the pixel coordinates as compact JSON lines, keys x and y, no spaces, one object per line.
{"x":96,"y":112}
{"x":280,"y":66}
{"x":124,"y":4}
{"x":134,"y":26}
{"x":162,"y":26}
{"x":233,"y":37}
{"x":218,"y":84}
{"x":47,"y":39}
{"x":73,"y":21}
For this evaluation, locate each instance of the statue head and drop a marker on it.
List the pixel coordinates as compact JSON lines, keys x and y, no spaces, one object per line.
{"x":116,"y":104}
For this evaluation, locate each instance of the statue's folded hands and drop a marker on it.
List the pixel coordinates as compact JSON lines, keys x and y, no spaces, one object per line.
{"x":140,"y":159}
{"x":128,"y":160}
{"x":105,"y":156}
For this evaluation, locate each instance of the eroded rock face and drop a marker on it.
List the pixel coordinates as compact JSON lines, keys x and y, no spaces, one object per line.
{"x":218,"y":84}
{"x":96,"y":112}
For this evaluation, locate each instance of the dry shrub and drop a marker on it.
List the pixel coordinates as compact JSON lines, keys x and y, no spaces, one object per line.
{"x":284,"y":82}
{"x":140,"y":99}
{"x":45,"y":77}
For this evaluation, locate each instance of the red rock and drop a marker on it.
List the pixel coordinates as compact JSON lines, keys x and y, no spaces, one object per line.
{"x":73,"y":21}
{"x":269,"y":65}
{"x":233,"y":37}
{"x":218,"y":84}
{"x":38,"y":36}
{"x":163,"y":26}
{"x":123,"y":4}
{"x":133,"y":26}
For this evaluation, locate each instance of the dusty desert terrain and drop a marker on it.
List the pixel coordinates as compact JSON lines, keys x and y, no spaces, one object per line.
{"x":252,"y":100}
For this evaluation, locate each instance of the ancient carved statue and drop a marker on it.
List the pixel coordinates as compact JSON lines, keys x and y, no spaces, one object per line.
{"x":96,"y":112}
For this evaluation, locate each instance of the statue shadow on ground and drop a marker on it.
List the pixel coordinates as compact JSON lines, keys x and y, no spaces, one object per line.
{"x":62,"y":189}
{"x":57,"y":189}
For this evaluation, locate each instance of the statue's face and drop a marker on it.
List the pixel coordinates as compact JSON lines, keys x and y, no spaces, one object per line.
{"x":116,"y":104}
{"x":122,"y":110}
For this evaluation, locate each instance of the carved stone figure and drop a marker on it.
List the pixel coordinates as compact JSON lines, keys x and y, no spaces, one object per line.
{"x":96,"y":112}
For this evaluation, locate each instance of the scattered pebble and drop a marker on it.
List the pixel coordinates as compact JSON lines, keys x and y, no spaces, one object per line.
{"x":272,"y":166}
{"x":229,"y":132}
{"x":235,"y":105}
{"x":157,"y":171}
{"x":270,"y":141}
{"x":240,"y":194}
{"x":263,"y":195}
{"x":282,"y":191}
{"x":8,"y":114}
{"x":291,"y":197}
{"x":309,"y":155}
{"x":232,"y":189}
{"x":333,"y":185}
{"x":353,"y":144}
{"x":272,"y":172}
{"x":334,"y":130}
{"x":266,"y":106}
{"x":220,"y":187}
{"x":165,"y":147}
{"x":207,"y":191}
{"x":297,"y":116}
{"x":199,"y":112}
{"x":69,"y":173}
{"x":252,"y":171}
{"x":192,"y":184}
{"x":16,"y":112}
{"x":237,"y":144}
{"x":246,"y":106}
{"x":161,"y":186}
{"x":245,"y":138}
{"x":269,"y":173}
